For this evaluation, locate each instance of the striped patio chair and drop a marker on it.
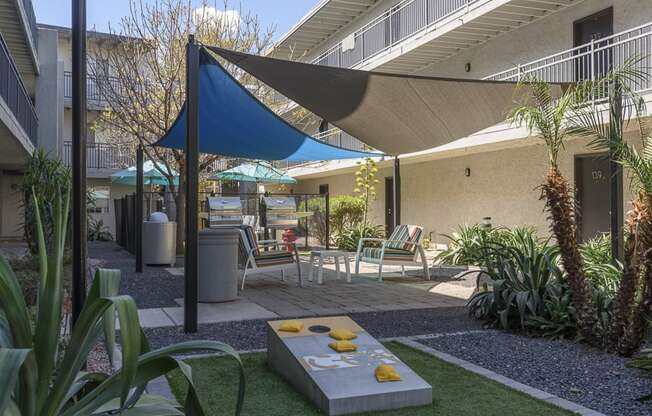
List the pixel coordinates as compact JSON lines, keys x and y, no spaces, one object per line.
{"x":403,"y":248}
{"x":265,"y":256}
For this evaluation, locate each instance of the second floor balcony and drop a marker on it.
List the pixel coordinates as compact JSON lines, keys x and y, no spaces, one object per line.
{"x":105,"y":157}
{"x":15,"y":95}
{"x":95,"y":90}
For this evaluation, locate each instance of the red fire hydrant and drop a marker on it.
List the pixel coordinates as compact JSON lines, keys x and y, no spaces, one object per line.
{"x":289,"y":238}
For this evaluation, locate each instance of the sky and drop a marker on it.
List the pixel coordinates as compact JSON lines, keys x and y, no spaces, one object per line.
{"x":281,"y":13}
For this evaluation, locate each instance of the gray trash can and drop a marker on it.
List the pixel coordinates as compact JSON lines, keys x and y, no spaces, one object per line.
{"x":218,"y":265}
{"x":159,"y":240}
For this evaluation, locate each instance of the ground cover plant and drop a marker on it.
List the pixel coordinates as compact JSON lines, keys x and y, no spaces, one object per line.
{"x":268,"y":394}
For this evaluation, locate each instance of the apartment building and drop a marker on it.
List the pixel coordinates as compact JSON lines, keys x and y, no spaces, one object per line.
{"x":493,"y":173}
{"x":19,"y":123}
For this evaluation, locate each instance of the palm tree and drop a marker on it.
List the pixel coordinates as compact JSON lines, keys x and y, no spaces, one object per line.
{"x":605,"y":127}
{"x":545,"y":115}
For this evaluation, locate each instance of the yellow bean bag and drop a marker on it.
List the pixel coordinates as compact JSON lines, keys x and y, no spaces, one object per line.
{"x":342,"y":334}
{"x":291,"y":326}
{"x":343,"y":346}
{"x":386,"y":372}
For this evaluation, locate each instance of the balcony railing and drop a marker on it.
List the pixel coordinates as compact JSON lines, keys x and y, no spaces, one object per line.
{"x":395,"y":25}
{"x":13,"y":92}
{"x":590,"y":60}
{"x":95,"y":88}
{"x":31,"y":21}
{"x":103,"y":155}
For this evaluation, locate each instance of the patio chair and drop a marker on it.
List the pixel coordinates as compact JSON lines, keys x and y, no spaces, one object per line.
{"x":402,"y":248}
{"x":266,"y":255}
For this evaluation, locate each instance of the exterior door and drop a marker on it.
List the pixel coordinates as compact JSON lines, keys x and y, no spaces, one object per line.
{"x":389,"y":205}
{"x":593,"y":27}
{"x":592,"y":182}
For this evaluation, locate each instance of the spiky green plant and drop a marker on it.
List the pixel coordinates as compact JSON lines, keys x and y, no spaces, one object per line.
{"x":605,"y":127}
{"x":545,"y":114}
{"x":33,"y":382}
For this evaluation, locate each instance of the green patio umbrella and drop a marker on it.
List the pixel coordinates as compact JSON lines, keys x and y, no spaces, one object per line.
{"x":259,"y":172}
{"x":151,"y":176}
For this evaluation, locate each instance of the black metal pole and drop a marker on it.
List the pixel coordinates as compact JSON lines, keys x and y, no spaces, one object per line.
{"x":78,"y":157}
{"x":616,"y":175}
{"x":307,"y":222}
{"x":192,"y":184}
{"x":139,"y":209}
{"x":397,"y":192}
{"x":328,"y":220}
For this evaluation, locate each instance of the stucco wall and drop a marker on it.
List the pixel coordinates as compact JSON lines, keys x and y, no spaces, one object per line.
{"x":11,"y":213}
{"x":437,"y":194}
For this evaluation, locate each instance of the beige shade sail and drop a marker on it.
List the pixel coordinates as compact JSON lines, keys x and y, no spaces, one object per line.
{"x":396,"y":114}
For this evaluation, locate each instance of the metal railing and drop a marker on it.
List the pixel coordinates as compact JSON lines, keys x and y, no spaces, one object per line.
{"x":14,"y":93}
{"x":590,"y":60}
{"x":103,"y":155}
{"x":390,"y":28}
{"x":337,"y":137}
{"x":95,"y":87}
{"x":31,"y":21}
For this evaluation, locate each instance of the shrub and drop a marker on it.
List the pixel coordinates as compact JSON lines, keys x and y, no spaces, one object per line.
{"x":348,"y":239}
{"x":345,"y":212}
{"x":523,"y":279}
{"x":596,"y":254}
{"x":97,"y":231}
{"x":468,"y":245}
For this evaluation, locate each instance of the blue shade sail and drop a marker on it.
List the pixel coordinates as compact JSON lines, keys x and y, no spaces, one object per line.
{"x":232,"y":122}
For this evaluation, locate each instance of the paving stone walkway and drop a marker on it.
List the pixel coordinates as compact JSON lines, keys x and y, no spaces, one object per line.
{"x":159,"y":291}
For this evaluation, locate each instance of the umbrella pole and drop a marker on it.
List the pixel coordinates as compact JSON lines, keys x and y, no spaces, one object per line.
{"x":192,"y":185}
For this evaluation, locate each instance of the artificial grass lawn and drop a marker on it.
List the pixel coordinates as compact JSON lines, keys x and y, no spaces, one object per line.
{"x":456,"y":392}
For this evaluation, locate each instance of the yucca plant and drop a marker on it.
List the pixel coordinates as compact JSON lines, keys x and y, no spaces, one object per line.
{"x":35,"y":382}
{"x":605,"y":127}
{"x":521,"y":278}
{"x":545,"y":115}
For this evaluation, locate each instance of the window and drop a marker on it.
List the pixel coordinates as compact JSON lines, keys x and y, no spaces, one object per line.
{"x":323,"y":189}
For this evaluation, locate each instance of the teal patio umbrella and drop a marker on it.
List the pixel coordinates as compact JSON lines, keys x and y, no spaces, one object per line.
{"x":151,"y":176}
{"x":259,"y":172}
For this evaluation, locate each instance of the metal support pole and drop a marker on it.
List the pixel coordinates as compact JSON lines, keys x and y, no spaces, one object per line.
{"x":78,"y":157}
{"x":616,"y":175}
{"x":192,"y":185}
{"x":328,"y":220}
{"x":139,"y":209}
{"x":307,"y":223}
{"x":397,"y":192}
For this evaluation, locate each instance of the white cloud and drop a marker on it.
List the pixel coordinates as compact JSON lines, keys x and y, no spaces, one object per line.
{"x":226,"y":18}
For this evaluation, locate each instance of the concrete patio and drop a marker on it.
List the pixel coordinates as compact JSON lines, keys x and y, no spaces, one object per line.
{"x":266,"y":296}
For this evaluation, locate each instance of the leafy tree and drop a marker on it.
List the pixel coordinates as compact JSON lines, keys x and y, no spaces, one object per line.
{"x":148,"y":75}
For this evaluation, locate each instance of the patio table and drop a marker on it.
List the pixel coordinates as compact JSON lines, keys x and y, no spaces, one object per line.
{"x":323,"y":254}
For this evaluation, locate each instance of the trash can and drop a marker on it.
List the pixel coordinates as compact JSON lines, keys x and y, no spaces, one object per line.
{"x":159,"y":240}
{"x":218,"y":265}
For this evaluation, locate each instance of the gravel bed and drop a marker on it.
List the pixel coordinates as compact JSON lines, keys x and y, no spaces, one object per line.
{"x":154,"y":288}
{"x":248,"y":335}
{"x":595,"y":379}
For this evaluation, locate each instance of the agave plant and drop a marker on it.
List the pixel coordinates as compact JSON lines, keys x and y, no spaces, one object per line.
{"x":522,"y":278}
{"x":34,"y":382}
{"x":644,"y":363}
{"x":348,"y":239}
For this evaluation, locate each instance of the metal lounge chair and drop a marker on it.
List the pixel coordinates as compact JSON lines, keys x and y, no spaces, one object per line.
{"x":403,"y":248}
{"x":265,"y":256}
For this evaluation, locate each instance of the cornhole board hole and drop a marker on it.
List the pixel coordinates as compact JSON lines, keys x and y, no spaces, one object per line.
{"x":342,"y":383}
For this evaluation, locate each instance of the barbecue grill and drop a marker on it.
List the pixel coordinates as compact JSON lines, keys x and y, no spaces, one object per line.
{"x":279,"y":213}
{"x":224,"y":211}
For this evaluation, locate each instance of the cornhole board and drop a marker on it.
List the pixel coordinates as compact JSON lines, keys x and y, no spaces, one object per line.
{"x":342,"y":383}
